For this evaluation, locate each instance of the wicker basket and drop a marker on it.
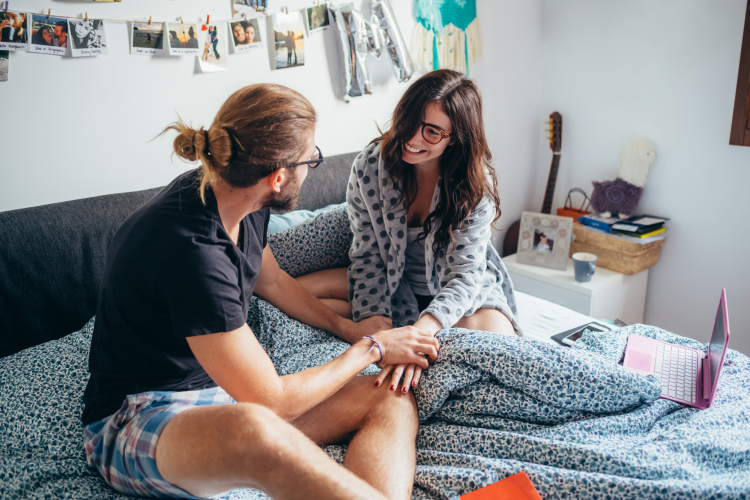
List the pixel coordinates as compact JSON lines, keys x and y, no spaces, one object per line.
{"x":626,"y":257}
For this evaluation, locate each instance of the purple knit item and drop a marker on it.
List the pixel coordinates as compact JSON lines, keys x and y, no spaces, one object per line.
{"x":617,"y":197}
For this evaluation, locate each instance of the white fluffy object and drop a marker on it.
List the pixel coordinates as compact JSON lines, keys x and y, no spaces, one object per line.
{"x":636,"y":157}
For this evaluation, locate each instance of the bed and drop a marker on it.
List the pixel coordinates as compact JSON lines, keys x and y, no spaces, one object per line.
{"x":577,"y":423}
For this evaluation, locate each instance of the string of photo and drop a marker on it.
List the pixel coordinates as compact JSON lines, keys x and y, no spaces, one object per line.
{"x":83,"y":36}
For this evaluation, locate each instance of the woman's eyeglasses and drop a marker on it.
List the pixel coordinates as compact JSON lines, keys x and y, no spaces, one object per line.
{"x":432,"y":134}
{"x":314,"y":161}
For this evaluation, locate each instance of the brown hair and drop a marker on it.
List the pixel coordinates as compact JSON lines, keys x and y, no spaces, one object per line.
{"x":258,"y":130}
{"x":465,"y":165}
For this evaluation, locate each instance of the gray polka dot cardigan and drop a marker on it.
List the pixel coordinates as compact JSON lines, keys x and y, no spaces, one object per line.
{"x":464,"y":276}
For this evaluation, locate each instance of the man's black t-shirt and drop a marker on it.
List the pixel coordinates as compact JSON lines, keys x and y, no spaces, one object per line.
{"x":172,"y":272}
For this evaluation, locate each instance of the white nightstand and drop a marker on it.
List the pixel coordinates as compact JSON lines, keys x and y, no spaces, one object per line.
{"x":608,"y":295}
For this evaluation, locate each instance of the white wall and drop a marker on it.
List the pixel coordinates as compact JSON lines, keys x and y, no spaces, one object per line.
{"x":667,"y":70}
{"x":81,"y":127}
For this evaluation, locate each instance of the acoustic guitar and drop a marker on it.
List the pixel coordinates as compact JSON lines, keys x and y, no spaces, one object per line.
{"x":510,"y":244}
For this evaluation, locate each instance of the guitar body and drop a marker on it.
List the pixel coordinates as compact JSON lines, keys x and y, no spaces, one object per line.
{"x":510,"y":243}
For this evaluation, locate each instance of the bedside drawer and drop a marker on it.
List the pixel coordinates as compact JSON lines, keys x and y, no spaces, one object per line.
{"x":572,"y":300}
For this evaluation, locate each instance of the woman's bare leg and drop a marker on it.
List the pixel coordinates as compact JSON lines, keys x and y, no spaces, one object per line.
{"x":329,"y":285}
{"x":213,"y":449}
{"x":488,"y":320}
{"x":384,"y":427}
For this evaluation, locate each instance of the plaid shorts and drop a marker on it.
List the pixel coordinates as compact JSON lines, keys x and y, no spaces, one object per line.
{"x":123,"y":447}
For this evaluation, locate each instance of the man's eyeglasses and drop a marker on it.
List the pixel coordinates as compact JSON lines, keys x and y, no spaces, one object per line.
{"x":315,"y":160}
{"x":432,"y":134}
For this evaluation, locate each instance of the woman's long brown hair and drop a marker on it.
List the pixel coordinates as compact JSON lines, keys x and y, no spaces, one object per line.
{"x":466,"y":164}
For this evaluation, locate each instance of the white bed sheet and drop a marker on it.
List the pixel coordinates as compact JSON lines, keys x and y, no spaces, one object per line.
{"x":541,"y":319}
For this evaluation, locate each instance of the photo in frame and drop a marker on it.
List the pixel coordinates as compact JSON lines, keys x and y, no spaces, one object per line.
{"x":289,"y":39}
{"x":317,"y":18}
{"x":87,"y":37}
{"x":14,"y":31}
{"x":214,"y":41}
{"x":49,"y":35}
{"x":245,"y":35}
{"x":147,"y":38}
{"x":544,"y":240}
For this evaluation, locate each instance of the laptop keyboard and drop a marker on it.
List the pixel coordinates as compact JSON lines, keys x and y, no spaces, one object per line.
{"x":677,"y":369}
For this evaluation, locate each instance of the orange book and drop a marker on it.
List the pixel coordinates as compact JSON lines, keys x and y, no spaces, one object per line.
{"x":515,"y":487}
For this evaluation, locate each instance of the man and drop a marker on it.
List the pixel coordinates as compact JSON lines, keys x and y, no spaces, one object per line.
{"x":61,"y":34}
{"x":172,"y":352}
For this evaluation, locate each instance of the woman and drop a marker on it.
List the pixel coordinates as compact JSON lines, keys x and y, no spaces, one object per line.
{"x":82,"y":33}
{"x":182,"y":400}
{"x":43,"y":36}
{"x":250,"y":33}
{"x":421,"y":199}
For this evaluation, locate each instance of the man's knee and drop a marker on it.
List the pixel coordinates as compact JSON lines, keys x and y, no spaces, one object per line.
{"x":253,"y":432}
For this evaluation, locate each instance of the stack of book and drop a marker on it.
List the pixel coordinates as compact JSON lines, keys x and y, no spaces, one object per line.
{"x":640,"y":228}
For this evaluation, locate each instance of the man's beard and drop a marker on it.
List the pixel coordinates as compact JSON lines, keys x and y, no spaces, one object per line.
{"x":286,"y":199}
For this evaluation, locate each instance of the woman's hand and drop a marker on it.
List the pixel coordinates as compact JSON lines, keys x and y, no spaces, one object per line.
{"x":407,"y":345}
{"x":411,"y":372}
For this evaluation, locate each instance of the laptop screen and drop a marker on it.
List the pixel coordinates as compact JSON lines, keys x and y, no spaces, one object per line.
{"x":716,"y":346}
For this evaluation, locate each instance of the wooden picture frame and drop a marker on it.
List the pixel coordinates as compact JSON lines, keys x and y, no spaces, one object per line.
{"x":740,"y":132}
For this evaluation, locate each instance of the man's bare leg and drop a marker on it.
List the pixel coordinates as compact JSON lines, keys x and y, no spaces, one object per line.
{"x":329,"y":285}
{"x":213,"y":449}
{"x":384,"y":426}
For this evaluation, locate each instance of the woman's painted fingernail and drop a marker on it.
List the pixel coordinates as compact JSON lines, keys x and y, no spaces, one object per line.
{"x":393,"y":387}
{"x":405,"y":389}
{"x":377,"y":383}
{"x":413,"y":384}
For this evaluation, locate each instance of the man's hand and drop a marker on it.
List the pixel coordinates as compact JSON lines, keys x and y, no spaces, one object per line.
{"x":369,"y":326}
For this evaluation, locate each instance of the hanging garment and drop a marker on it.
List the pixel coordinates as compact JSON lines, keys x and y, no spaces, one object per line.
{"x":446,"y":35}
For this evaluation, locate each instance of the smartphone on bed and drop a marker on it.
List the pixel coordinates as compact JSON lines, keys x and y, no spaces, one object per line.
{"x":569,"y":337}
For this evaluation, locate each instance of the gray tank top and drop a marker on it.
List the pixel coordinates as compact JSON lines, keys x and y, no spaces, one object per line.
{"x":415,"y":263}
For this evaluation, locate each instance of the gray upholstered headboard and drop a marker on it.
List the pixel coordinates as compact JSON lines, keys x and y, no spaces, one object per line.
{"x":52,"y":256}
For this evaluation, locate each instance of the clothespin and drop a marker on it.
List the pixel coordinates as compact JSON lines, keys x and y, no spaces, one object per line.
{"x":149,"y":20}
{"x":7,"y":6}
{"x":181,"y":21}
{"x":286,"y":10}
{"x":49,"y":11}
{"x":87,"y":17}
{"x":235,"y":11}
{"x":244,"y":16}
{"x":205,"y":26}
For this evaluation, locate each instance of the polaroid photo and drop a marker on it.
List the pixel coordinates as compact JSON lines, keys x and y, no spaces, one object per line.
{"x":245,"y":35}
{"x":182,"y":39}
{"x":215,"y":47}
{"x":87,"y":37}
{"x":289,"y":38}
{"x":544,"y":240}
{"x":49,"y":35}
{"x":147,"y":38}
{"x":317,"y":18}
{"x":4,"y":65}
{"x":14,"y":31}
{"x":257,"y":5}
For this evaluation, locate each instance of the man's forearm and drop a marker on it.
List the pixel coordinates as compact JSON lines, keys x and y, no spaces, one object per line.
{"x":295,"y":301}
{"x":304,"y":390}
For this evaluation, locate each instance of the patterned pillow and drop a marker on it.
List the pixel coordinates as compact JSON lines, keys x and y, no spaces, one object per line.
{"x":319,"y":243}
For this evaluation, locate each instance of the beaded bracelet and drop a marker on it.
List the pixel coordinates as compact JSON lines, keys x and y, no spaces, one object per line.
{"x":375,"y":344}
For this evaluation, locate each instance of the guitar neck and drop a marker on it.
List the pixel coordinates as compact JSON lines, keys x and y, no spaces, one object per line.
{"x":551,"y":181}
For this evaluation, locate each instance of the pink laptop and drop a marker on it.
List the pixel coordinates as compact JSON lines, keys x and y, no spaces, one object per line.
{"x":687,"y":376}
